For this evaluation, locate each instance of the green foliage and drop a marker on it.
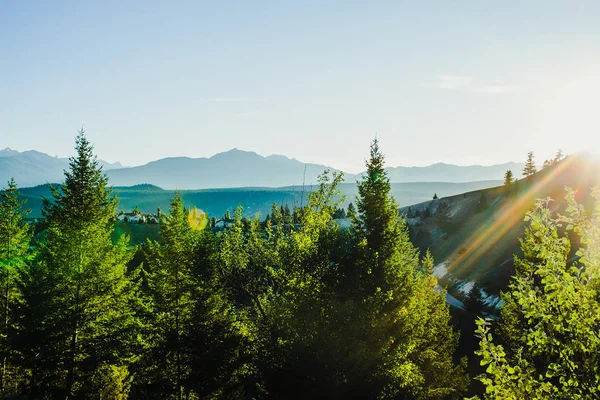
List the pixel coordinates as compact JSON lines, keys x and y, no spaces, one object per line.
{"x":551,"y":347}
{"x":169,"y":274}
{"x":339,"y":213}
{"x":193,"y":339}
{"x":292,"y":307}
{"x":278,"y":280}
{"x":112,"y":382}
{"x":351,"y":210}
{"x":410,"y":345}
{"x":15,"y":237}
{"x":78,"y":293}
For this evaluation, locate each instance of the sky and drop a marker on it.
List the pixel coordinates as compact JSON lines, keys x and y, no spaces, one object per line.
{"x":463,"y":82}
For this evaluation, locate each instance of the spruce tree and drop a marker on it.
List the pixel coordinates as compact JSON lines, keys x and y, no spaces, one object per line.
{"x":216,"y":345}
{"x":351,"y":209}
{"x":410,"y":345}
{"x":170,"y":282}
{"x":88,"y":308}
{"x":508,"y":178}
{"x":15,"y":237}
{"x":530,"y":168}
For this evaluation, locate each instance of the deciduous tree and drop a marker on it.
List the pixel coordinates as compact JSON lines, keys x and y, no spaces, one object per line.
{"x":549,"y":332}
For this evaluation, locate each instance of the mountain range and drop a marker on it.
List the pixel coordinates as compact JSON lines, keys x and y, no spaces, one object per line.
{"x":30,"y":168}
{"x":230,"y":169}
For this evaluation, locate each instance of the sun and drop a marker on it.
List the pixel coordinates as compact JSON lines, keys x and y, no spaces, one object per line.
{"x":569,"y":116}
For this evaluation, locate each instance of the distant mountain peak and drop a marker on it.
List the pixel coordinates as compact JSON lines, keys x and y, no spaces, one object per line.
{"x":235,"y":152}
{"x":279,"y":157}
{"x":8,"y":152}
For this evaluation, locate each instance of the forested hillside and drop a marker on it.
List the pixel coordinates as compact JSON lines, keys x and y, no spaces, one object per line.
{"x":474,"y":236}
{"x":294,"y":307}
{"x":216,"y":202}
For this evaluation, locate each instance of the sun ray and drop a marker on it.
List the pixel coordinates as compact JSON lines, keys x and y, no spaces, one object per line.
{"x":510,"y":215}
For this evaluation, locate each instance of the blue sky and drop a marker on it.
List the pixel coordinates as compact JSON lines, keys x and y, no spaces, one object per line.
{"x":467,"y":82}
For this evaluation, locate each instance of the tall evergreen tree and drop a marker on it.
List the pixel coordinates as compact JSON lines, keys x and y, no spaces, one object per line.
{"x":410,"y":345}
{"x":88,"y":309}
{"x":530,"y":167}
{"x":15,"y":237}
{"x":194,"y":341}
{"x":216,"y":342}
{"x":351,"y":209}
{"x":170,"y":282}
{"x":508,"y":178}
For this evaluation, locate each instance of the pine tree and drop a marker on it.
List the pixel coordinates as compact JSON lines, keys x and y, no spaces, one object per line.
{"x":435,"y":196}
{"x":547,"y":163}
{"x":508,"y":178}
{"x":15,"y":237}
{"x":170,"y":282}
{"x":530,"y":168}
{"x":286,"y":211}
{"x":216,"y":341}
{"x":339,"y":213}
{"x":559,"y":156}
{"x":389,"y":278}
{"x":351,"y":209}
{"x":88,"y":309}
{"x":376,"y":221}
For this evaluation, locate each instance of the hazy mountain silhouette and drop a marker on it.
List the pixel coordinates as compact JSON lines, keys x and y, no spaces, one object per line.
{"x":230,"y":169}
{"x":441,"y":172}
{"x":234,"y":168}
{"x":30,"y":168}
{"x":237,"y":168}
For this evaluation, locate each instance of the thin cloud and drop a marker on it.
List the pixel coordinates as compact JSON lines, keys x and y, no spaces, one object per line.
{"x":495,"y":89}
{"x":470,"y":84}
{"x":453,"y":81}
{"x":237,"y":100}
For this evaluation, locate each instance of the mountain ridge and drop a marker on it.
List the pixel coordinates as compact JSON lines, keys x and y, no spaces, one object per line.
{"x":230,"y":169}
{"x":32,"y":167}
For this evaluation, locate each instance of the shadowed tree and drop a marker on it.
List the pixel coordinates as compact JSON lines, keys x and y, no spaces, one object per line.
{"x":402,"y":345}
{"x":15,"y":237}
{"x":508,"y":178}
